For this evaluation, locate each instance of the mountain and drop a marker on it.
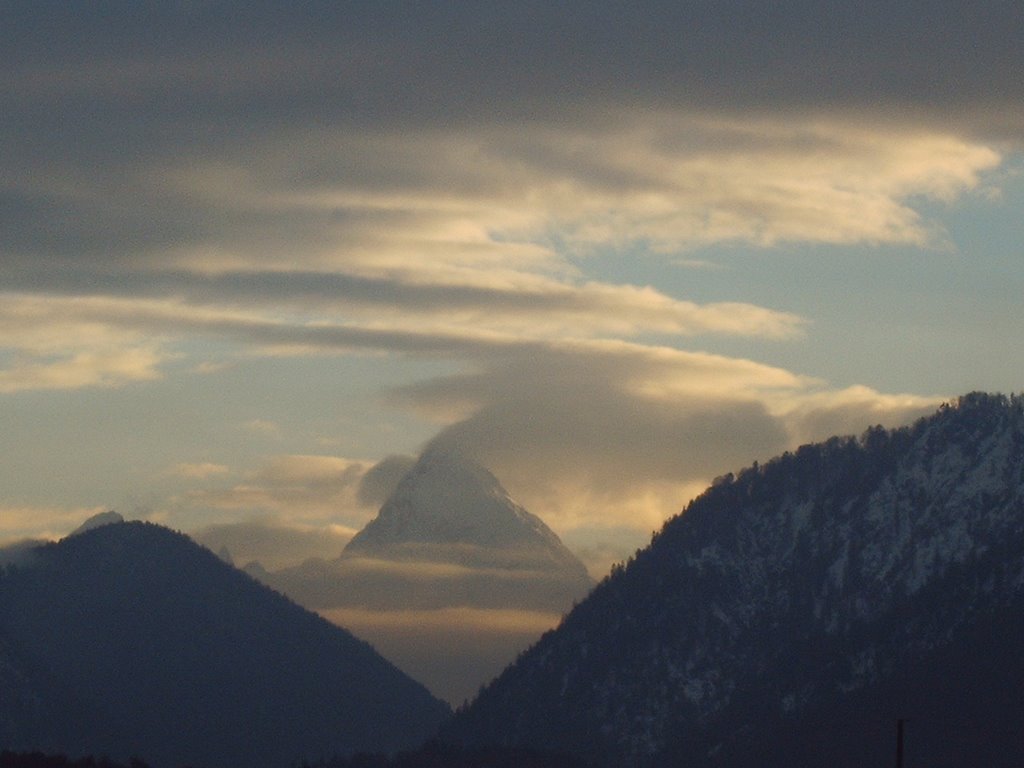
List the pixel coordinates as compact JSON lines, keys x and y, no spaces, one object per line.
{"x":448,"y":500}
{"x":451,"y":579}
{"x":448,"y":535}
{"x":793,"y":612}
{"x":449,"y":510}
{"x":130,"y":640}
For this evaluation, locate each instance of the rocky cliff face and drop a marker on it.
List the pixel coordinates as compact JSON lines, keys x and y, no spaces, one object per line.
{"x":843,"y":585}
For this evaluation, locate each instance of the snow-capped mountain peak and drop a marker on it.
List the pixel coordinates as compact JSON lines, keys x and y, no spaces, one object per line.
{"x":447,"y":498}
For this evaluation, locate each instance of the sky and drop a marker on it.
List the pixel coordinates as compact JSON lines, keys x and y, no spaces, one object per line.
{"x":255,"y":256}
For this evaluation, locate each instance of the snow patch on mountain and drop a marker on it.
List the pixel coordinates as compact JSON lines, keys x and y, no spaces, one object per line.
{"x":455,"y":504}
{"x":808,"y":577}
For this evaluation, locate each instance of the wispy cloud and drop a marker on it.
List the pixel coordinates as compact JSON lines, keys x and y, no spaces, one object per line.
{"x":478,"y":642}
{"x":199,"y":471}
{"x":453,"y":202}
{"x":513,"y":303}
{"x":274,"y":543}
{"x":319,"y":490}
{"x":615,"y":433}
{"x":51,"y":348}
{"x":493,"y":620}
{"x":72,"y":341}
{"x":261,"y":427}
{"x":41,"y":522}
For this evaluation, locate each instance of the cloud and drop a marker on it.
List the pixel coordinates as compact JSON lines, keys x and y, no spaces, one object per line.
{"x":482,"y":620}
{"x":516,"y":303}
{"x":49,"y":348}
{"x":380,"y":480}
{"x":494,"y":580}
{"x":274,"y":544}
{"x":584,"y":431}
{"x":321,"y":492}
{"x":601,"y":548}
{"x":96,"y":368}
{"x":404,"y":63}
{"x":199,"y":471}
{"x":850,"y":411}
{"x":261,"y":427}
{"x":605,"y":436}
{"x":478,"y":642}
{"x":470,"y":136}
{"x":495,"y":197}
{"x":41,"y":522}
{"x":386,"y":228}
{"x":448,"y":186}
{"x":320,"y":472}
{"x":69,"y":342}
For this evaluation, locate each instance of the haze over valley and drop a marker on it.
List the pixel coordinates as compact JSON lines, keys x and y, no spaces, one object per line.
{"x":452,"y":579}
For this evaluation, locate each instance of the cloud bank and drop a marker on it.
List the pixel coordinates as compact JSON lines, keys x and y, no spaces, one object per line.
{"x":496,"y":195}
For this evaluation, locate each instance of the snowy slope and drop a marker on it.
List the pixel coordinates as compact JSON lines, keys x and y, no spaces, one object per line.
{"x":785,"y":592}
{"x":446,"y":499}
{"x":449,"y":535}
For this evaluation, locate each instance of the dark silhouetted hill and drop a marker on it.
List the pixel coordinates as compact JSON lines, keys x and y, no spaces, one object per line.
{"x":793,"y":612}
{"x":436,"y":755}
{"x":130,"y":640}
{"x":430,"y":755}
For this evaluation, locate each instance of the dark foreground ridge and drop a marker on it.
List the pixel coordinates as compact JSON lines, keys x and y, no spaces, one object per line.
{"x":795,"y":611}
{"x":130,"y":640}
{"x":437,"y":755}
{"x":431,"y":755}
{"x":42,"y":760}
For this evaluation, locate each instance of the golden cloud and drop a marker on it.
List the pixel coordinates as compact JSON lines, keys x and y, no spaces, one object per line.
{"x":200,"y":471}
{"x":42,"y":522}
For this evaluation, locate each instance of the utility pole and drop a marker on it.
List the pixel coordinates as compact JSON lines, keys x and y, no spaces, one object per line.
{"x":900,"y":722}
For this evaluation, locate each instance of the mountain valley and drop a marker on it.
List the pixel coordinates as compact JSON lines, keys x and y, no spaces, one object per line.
{"x":471,"y":571}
